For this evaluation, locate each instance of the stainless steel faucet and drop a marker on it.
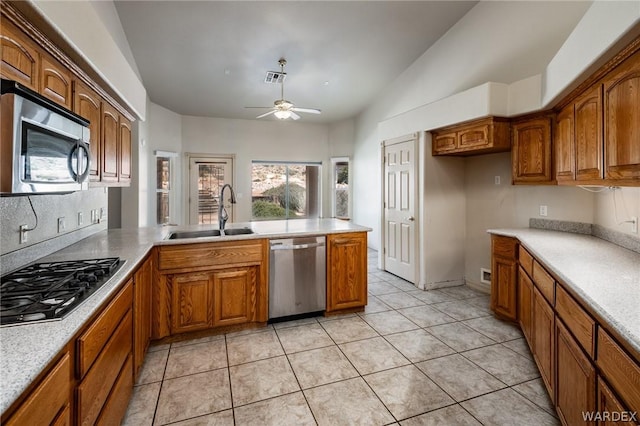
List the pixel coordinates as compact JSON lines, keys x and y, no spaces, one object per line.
{"x":222,"y":212}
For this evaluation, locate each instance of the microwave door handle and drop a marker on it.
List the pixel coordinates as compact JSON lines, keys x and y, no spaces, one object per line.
{"x":83,"y":161}
{"x":81,"y":154}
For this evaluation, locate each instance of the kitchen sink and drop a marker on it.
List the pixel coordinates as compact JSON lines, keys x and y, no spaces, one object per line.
{"x":194,"y":234}
{"x":209,"y":233}
{"x":238,"y":231}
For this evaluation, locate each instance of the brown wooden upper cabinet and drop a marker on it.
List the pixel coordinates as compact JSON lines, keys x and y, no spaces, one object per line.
{"x":88,"y":104}
{"x":483,"y":136}
{"x":20,"y":57}
{"x":30,"y":60}
{"x":622,"y":121}
{"x":531,"y":151}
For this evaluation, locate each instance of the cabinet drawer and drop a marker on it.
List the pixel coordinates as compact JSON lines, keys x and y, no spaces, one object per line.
{"x":116,"y":406}
{"x":210,"y":254}
{"x":96,"y":386}
{"x":93,"y":340}
{"x":576,"y":319}
{"x":526,"y":261}
{"x":622,"y":372}
{"x":504,"y":246}
{"x":45,"y":403}
{"x":544,"y":282}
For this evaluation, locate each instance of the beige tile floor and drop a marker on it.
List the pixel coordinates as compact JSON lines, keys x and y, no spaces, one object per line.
{"x":412,"y":358}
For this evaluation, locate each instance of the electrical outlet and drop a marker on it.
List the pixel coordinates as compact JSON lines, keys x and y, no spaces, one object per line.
{"x":24,"y":229}
{"x":80,"y":219}
{"x":62,"y":225}
{"x":634,"y":224}
{"x":496,"y":180}
{"x":543,"y":210}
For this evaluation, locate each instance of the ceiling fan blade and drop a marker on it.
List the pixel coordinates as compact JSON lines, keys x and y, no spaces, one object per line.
{"x":294,"y":115}
{"x":265,"y":107}
{"x":309,"y":110}
{"x":266,"y":113}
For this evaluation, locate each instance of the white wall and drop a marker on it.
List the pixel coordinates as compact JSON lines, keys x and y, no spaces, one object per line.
{"x":447,"y":83}
{"x":256,"y":140}
{"x":614,"y":213}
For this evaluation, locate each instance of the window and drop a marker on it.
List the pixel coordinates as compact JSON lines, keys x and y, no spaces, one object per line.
{"x":340,"y":188}
{"x":285,"y":190}
{"x":164,"y":187}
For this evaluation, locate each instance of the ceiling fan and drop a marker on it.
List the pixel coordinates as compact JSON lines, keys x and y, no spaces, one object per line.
{"x":283,"y":109}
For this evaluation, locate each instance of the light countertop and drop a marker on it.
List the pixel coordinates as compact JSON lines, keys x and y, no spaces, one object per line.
{"x":605,"y":276}
{"x":26,"y":349}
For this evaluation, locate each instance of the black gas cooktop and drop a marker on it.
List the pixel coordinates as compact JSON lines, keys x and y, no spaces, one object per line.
{"x":51,"y":290}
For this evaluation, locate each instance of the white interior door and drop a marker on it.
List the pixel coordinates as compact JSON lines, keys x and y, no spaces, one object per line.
{"x":399,"y":207}
{"x":207,"y":175}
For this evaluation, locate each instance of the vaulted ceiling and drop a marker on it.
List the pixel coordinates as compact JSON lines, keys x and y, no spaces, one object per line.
{"x":209,"y":58}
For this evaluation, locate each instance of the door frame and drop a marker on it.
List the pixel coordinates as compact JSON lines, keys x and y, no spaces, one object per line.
{"x":415,"y":138}
{"x":187,"y":180}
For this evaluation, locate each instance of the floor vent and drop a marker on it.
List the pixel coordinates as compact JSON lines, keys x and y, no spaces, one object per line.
{"x":485,"y":275}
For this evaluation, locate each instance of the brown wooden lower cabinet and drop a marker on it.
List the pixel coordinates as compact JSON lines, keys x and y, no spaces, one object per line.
{"x":49,"y":402}
{"x":543,"y":340}
{"x":617,"y":413}
{"x":504,"y":270}
{"x":346,"y":271}
{"x":576,"y":379}
{"x":142,"y":299}
{"x":525,"y":305}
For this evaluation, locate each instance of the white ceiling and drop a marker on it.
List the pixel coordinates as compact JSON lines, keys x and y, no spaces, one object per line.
{"x":209,"y":58}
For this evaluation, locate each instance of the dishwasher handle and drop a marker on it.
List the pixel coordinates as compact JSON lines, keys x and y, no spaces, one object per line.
{"x":282,"y":246}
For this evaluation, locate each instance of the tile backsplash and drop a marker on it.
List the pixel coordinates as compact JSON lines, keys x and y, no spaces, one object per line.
{"x":80,"y":212}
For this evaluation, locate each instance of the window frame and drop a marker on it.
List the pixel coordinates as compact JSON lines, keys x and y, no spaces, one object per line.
{"x":319,"y":200}
{"x":334,"y":178}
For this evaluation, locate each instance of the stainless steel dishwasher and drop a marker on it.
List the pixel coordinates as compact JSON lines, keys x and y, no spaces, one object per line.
{"x":297,"y":277}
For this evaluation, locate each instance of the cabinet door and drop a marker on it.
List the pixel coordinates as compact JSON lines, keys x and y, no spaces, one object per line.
{"x":565,"y":145}
{"x":475,"y":137}
{"x":588,"y":134}
{"x":525,"y":305}
{"x":87,"y":104}
{"x":55,"y":81}
{"x":543,"y":340}
{"x":234,"y":296}
{"x":191,"y":304}
{"x":531,"y":152}
{"x":503,"y":276}
{"x":576,"y":384}
{"x":609,"y":403}
{"x":124,"y":175}
{"x":20,"y":57}
{"x":444,"y":142}
{"x":142,"y":313}
{"x":110,"y":134}
{"x":622,"y":120}
{"x":346,"y":271}
{"x":49,"y":402}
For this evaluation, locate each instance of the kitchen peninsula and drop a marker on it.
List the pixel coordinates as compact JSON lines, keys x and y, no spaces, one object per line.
{"x":33,"y":353}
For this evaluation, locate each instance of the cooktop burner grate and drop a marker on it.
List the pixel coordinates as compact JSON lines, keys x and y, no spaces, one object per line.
{"x":51,"y":290}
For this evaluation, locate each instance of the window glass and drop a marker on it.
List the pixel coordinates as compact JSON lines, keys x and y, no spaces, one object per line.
{"x":285,"y":190}
{"x":163,"y":187}
{"x":341,"y":187}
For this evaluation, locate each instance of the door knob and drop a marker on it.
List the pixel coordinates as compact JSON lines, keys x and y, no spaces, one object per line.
{"x":410,"y":218}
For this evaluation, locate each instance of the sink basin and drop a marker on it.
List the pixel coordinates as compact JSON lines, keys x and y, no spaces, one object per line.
{"x":238,"y":231}
{"x":194,"y":234}
{"x":208,"y":233}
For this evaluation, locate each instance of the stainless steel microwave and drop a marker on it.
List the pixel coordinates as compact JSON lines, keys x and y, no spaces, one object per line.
{"x":44,"y":148}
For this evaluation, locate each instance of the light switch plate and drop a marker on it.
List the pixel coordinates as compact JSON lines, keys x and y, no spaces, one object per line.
{"x":543,"y":210}
{"x":62,"y":225}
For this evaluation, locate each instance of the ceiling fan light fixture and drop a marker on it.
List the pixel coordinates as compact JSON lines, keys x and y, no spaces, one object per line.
{"x":282,"y":115}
